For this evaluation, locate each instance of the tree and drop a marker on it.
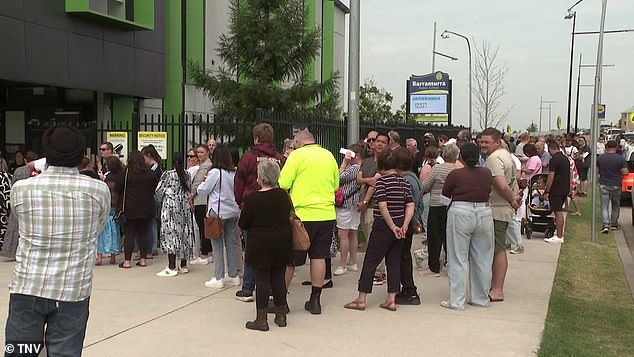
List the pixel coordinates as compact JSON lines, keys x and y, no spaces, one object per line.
{"x":374,"y":103}
{"x":489,"y":86}
{"x":532,"y":128}
{"x":400,"y":116}
{"x":266,"y":55}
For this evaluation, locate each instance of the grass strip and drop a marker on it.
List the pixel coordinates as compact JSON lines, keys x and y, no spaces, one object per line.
{"x":591,"y":312}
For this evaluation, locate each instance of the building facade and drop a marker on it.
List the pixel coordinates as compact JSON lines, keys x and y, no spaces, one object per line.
{"x":89,"y":62}
{"x":76,"y":62}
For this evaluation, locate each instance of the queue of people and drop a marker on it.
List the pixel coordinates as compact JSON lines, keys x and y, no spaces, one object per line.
{"x":465,"y":197}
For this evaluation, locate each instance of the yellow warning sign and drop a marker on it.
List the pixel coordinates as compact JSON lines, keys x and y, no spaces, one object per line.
{"x":632,"y":117}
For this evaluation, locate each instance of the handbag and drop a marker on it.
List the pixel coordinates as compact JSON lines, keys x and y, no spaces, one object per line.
{"x":213,"y":225}
{"x":119,"y":215}
{"x":301,"y":240}
{"x":340,"y":198}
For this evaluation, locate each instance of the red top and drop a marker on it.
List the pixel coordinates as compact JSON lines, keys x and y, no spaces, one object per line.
{"x":468,"y":184}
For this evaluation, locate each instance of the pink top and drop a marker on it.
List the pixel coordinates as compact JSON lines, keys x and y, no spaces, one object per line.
{"x":533,"y":166}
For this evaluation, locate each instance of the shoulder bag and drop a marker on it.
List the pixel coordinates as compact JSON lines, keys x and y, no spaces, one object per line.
{"x":213,"y":225}
{"x":119,"y":215}
{"x":301,"y":240}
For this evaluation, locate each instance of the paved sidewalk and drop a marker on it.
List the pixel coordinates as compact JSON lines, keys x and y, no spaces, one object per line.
{"x":134,"y":312}
{"x":625,"y":244}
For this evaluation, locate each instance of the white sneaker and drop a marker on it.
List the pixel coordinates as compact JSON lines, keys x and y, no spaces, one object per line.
{"x":554,"y":239}
{"x":183,"y":270}
{"x":235,"y":281}
{"x":340,"y":271}
{"x":167,"y":272}
{"x":202,"y":261}
{"x":214,"y":283}
{"x":353,"y":267}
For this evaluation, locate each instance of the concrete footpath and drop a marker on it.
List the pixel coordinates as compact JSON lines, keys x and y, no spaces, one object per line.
{"x":625,"y":244}
{"x":134,"y":312}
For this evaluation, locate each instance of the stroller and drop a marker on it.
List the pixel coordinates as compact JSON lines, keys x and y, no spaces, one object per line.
{"x":539,"y":216}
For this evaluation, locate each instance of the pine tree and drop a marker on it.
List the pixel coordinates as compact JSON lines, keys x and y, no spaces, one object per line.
{"x":266,"y":55}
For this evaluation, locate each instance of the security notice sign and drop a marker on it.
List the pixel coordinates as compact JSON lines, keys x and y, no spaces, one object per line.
{"x":119,"y":140}
{"x":156,"y":138}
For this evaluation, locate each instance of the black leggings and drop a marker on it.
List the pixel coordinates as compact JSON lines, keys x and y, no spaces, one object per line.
{"x":199,"y":214}
{"x":133,"y":228}
{"x":269,"y":280}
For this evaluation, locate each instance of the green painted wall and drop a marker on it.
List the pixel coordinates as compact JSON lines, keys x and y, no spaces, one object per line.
{"x":195,"y":32}
{"x":173,"y":102}
{"x":122,"y":109}
{"x":310,"y":7}
{"x":328,"y":40}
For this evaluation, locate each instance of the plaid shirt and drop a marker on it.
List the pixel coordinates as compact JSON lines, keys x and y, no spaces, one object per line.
{"x":60,"y":215}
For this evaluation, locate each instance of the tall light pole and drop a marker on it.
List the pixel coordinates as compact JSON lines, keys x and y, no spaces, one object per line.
{"x":445,"y":34}
{"x":595,"y":115}
{"x":571,"y":15}
{"x":579,"y":85}
{"x":541,"y":107}
{"x":353,"y":72}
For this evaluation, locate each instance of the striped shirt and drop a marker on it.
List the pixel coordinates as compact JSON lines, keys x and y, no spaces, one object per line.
{"x":60,"y":214}
{"x":396,"y":191}
{"x":434,"y":182}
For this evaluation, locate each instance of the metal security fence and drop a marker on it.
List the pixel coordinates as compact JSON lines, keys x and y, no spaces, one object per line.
{"x":184,"y":132}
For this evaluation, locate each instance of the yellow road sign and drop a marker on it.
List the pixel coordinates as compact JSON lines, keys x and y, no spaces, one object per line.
{"x":632,"y":117}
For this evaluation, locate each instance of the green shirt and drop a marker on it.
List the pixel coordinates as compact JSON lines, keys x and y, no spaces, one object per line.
{"x":312,"y":176}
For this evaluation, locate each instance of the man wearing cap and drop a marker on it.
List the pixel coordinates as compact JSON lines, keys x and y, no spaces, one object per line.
{"x":60,"y":214}
{"x":612,"y":167}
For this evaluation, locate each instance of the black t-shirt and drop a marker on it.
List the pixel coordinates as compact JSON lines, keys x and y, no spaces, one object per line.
{"x":560,"y":165}
{"x":610,"y":165}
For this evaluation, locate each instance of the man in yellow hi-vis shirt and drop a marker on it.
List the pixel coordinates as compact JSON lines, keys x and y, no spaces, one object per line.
{"x":311,"y":174}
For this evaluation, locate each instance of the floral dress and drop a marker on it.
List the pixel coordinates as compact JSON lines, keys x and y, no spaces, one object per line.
{"x":176,"y":215}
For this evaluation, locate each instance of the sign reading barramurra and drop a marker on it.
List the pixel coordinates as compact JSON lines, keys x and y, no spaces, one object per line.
{"x":428,"y":94}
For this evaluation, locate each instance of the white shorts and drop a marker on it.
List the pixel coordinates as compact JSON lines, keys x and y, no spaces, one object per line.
{"x":348,"y":218}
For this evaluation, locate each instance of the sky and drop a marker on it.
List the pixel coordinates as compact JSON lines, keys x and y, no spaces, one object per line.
{"x":534,"y":42}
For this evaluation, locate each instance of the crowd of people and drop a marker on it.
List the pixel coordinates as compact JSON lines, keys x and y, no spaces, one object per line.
{"x":467,"y":197}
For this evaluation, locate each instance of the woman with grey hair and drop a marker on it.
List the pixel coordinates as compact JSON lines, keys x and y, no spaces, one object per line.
{"x":437,"y":220}
{"x":269,"y":248}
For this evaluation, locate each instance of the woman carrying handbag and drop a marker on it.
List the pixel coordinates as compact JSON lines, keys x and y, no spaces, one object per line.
{"x":218,"y":186}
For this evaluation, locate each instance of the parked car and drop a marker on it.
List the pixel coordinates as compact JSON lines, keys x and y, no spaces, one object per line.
{"x":626,"y":185}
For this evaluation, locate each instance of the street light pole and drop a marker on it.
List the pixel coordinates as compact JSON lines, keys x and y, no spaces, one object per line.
{"x":353,"y":72}
{"x":577,"y":101}
{"x":470,"y":75}
{"x":571,"y":15}
{"x":595,"y":116}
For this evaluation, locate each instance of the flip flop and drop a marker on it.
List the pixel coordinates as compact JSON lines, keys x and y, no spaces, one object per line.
{"x":355,"y":305}
{"x":495,"y":300}
{"x":124,"y":267}
{"x":141,"y":265}
{"x":385,"y":305}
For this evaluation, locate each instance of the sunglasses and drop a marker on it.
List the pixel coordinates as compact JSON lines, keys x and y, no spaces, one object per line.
{"x":103,"y":149}
{"x":371,"y":140}
{"x":191,"y":156}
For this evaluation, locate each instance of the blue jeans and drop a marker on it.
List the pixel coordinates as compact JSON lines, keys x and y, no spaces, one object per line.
{"x":227,"y":239}
{"x":248,"y":276}
{"x":65,"y":323}
{"x":470,"y":244}
{"x":610,"y":194}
